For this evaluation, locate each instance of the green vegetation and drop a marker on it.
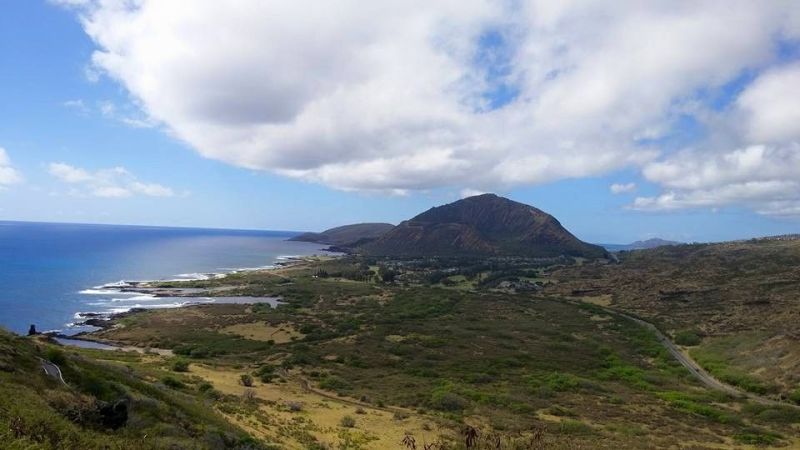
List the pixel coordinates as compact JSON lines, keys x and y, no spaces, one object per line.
{"x":457,"y":350}
{"x":180,"y":365}
{"x":442,"y":341}
{"x":348,"y":422}
{"x":105,"y":404}
{"x":689,"y":338}
{"x":736,"y":302}
{"x":720,"y":368}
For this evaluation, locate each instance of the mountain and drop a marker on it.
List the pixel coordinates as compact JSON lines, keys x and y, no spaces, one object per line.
{"x":640,"y":245}
{"x":483,"y":225}
{"x":347,"y":235}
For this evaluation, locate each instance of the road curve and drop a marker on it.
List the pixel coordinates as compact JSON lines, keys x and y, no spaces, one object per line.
{"x":690,"y":364}
{"x":52,"y":370}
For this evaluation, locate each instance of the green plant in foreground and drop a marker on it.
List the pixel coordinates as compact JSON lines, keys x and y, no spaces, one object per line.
{"x":348,"y":422}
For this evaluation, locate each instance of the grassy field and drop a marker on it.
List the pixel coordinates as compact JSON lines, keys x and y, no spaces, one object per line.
{"x":405,"y":359}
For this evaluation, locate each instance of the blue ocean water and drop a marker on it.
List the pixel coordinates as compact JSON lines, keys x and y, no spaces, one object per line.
{"x":48,"y":270}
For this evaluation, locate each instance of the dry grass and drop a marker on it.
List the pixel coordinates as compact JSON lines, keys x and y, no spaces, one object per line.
{"x":320,"y":416}
{"x":263,"y":331}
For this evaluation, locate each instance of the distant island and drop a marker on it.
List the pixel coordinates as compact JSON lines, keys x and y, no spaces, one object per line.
{"x":640,"y":245}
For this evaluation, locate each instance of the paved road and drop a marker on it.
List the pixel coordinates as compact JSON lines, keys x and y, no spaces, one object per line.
{"x":685,"y":360}
{"x":692,"y":366}
{"x":52,"y":370}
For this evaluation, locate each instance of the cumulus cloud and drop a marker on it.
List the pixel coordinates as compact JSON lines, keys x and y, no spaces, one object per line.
{"x":772,"y":106}
{"x":116,"y":182}
{"x":470,"y":192}
{"x":622,"y":188}
{"x":397,"y":96}
{"x":8,"y":174}
{"x":767,"y":179}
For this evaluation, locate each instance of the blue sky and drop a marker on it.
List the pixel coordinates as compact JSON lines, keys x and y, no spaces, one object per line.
{"x":55,"y":111}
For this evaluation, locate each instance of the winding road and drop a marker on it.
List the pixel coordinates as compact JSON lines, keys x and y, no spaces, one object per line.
{"x":691,"y":365}
{"x":52,"y":370}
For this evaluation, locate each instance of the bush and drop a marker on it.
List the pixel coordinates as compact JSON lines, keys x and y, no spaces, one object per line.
{"x":246,"y":380}
{"x":757,"y":438}
{"x":205,"y":387}
{"x":265,"y":373}
{"x":572,"y":426}
{"x":172,"y":382}
{"x":334,"y":383}
{"x":180,"y":365}
{"x":449,"y":401}
{"x":561,"y":382}
{"x":55,"y":356}
{"x":294,"y":406}
{"x":688,"y":338}
{"x":360,"y":410}
{"x":795,"y":396}
{"x":348,"y":422}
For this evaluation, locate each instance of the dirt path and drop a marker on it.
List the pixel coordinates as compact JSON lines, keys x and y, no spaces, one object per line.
{"x":691,"y":365}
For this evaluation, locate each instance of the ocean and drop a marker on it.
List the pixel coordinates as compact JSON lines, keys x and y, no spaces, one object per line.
{"x":49,"y":273}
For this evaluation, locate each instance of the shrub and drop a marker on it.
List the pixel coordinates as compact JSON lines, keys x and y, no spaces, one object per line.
{"x":572,"y":426}
{"x":348,"y":422}
{"x":265,"y":373}
{"x":360,"y":410}
{"x":294,"y":406}
{"x":795,"y":396}
{"x":334,"y":383}
{"x":205,"y":387}
{"x":688,"y":338}
{"x":180,"y":365}
{"x":448,"y":401}
{"x":55,"y":356}
{"x":562,"y":382}
{"x":757,"y":438}
{"x":172,"y":382}
{"x":246,"y":380}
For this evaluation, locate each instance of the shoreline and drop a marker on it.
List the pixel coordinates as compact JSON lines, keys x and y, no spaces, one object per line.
{"x":142,"y":291}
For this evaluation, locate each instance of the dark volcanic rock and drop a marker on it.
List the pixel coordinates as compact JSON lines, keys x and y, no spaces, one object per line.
{"x":483,"y":225}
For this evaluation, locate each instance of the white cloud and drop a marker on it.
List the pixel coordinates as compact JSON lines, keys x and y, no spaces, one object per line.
{"x":69,"y":174}
{"x":766,"y":179}
{"x":396,"y":95}
{"x":622,"y":188}
{"x":471,"y":192}
{"x":116,"y":182}
{"x":77,"y":105}
{"x":772,"y":105}
{"x":8,"y":174}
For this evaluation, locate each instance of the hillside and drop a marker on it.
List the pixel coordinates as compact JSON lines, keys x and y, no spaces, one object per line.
{"x":123,"y":401}
{"x":483,"y":225}
{"x":737,"y":300}
{"x":347,"y":235}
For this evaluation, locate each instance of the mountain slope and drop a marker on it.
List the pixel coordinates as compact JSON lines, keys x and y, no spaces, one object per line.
{"x":641,"y":245}
{"x":483,"y":225}
{"x":346,"y":235}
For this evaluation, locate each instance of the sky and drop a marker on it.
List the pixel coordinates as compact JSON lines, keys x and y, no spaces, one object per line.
{"x":624,"y":119}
